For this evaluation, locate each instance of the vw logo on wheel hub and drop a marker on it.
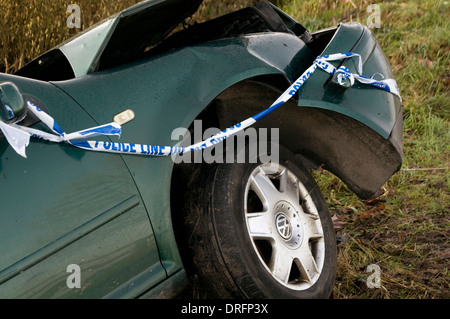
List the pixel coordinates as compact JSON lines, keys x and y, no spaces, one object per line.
{"x":288,"y":224}
{"x":283,"y":226}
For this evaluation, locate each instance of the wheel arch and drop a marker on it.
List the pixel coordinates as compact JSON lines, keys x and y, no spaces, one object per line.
{"x":356,"y":154}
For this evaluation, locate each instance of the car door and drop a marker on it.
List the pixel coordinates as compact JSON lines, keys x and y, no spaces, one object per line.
{"x":72,"y":223}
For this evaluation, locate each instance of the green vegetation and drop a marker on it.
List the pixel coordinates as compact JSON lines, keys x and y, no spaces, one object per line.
{"x":405,"y":230}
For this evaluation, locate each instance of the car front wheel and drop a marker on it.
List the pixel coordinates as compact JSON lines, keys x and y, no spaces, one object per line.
{"x":260,"y":230}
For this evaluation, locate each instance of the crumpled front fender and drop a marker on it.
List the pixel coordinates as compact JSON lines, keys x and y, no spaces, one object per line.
{"x":359,"y":156}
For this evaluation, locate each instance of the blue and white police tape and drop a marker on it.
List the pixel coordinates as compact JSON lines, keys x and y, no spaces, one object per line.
{"x":60,"y":135}
{"x":19,"y":136}
{"x":389,"y":85}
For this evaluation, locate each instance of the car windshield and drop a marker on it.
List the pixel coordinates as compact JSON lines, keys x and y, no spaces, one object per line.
{"x":82,"y":50}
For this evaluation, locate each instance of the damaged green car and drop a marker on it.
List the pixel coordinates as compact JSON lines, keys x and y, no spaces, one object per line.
{"x":77,"y":223}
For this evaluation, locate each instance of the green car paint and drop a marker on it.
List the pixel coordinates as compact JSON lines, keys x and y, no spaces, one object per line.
{"x":53,"y":203}
{"x":381,"y":110}
{"x":111,"y":214}
{"x":162,"y":106}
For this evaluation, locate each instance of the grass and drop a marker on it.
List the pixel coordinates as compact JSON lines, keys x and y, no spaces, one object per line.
{"x":405,"y":230}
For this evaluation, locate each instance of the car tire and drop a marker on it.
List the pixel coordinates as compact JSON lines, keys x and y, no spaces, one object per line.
{"x":259,"y":230}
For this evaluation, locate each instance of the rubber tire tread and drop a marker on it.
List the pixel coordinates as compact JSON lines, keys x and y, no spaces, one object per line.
{"x":219,"y":247}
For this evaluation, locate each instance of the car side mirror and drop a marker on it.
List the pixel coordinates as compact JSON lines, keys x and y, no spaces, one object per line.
{"x":13,"y":107}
